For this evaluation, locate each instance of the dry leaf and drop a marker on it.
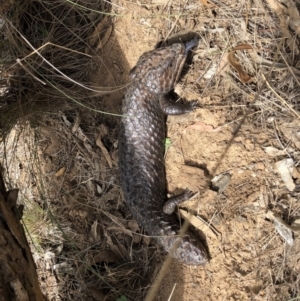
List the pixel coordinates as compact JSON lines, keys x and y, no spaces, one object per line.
{"x":99,"y":189}
{"x":93,"y":232}
{"x":146,"y":240}
{"x":106,"y":256}
{"x":88,"y":147}
{"x":133,"y":226}
{"x":137,"y":238}
{"x":285,"y":169}
{"x":65,"y":119}
{"x":60,"y":172}
{"x":90,"y":185}
{"x":104,"y":151}
{"x":291,"y":131}
{"x":223,"y":65}
{"x":288,"y":15}
{"x":197,"y":223}
{"x":242,"y":47}
{"x":203,"y":127}
{"x":273,"y":151}
{"x":80,"y":135}
{"x":261,"y":199}
{"x":76,"y":125}
{"x":276,"y":217}
{"x":126,"y":231}
{"x":244,"y":77}
{"x":284,"y":229}
{"x":103,"y":130}
{"x":62,"y":267}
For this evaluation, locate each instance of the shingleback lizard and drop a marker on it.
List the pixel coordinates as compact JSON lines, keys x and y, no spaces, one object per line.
{"x":141,"y":149}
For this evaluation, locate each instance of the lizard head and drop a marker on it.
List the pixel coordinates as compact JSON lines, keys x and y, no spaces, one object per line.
{"x":159,"y":69}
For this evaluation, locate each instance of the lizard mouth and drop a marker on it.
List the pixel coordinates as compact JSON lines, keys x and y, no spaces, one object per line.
{"x":184,"y":52}
{"x":181,"y":58}
{"x":191,"y":44}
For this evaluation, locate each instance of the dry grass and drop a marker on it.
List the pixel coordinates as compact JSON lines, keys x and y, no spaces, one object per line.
{"x":49,"y":57}
{"x":54,"y":142}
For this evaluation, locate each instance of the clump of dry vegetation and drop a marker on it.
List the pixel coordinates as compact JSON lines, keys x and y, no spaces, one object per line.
{"x":49,"y":50}
{"x":62,"y":153}
{"x":47,"y":57}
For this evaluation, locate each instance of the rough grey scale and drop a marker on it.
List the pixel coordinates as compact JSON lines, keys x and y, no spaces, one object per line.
{"x":141,"y":149}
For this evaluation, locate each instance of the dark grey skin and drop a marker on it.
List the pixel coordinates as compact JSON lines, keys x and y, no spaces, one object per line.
{"x":141,"y":150}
